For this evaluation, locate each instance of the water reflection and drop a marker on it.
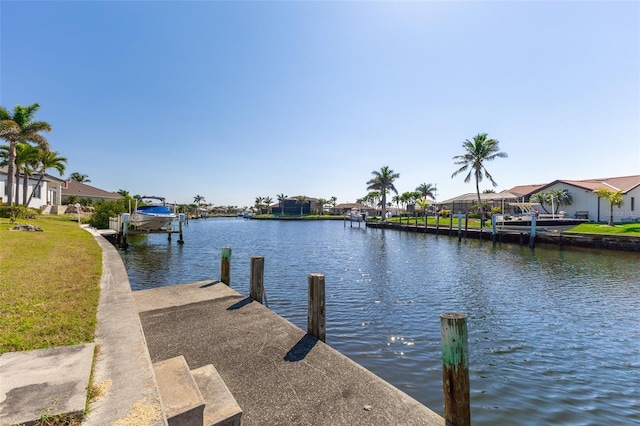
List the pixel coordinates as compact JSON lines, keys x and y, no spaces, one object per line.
{"x":553,"y":334}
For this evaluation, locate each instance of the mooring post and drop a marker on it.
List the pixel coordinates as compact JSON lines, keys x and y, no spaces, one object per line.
{"x":450,"y":222}
{"x":532,"y":237}
{"x":181,"y":218}
{"x":455,"y":369}
{"x":225,"y":265}
{"x":316,"y":315}
{"x":437,"y":222}
{"x":466,"y":224}
{"x":459,"y":226}
{"x":256,"y":286}
{"x":494,"y":230}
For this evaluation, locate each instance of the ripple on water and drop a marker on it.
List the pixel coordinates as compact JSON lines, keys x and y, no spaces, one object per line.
{"x":553,"y":334}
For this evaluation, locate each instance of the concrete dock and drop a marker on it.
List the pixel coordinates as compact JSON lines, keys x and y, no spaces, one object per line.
{"x":276,"y":372}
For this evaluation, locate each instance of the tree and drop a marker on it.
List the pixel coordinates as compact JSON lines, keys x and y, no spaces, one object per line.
{"x":281,"y":199}
{"x":199,"y":200}
{"x":20,"y":127}
{"x":267,"y":201}
{"x":123,"y":192}
{"x":427,"y":190}
{"x":333,"y":200}
{"x":423,"y":203}
{"x":49,"y":160}
{"x":258,"y":204}
{"x":322,"y":202}
{"x":540,"y":197}
{"x":478,"y":152}
{"x":559,"y":198}
{"x":79,"y":177}
{"x":382,"y":182}
{"x":614,"y":198}
{"x":301,"y":199}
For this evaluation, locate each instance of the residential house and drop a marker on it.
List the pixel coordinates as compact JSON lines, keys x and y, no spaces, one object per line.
{"x":586,"y":204}
{"x":47,"y":193}
{"x":584,"y":201}
{"x":292,"y":206}
{"x":82,"y":190}
{"x":345,"y":208}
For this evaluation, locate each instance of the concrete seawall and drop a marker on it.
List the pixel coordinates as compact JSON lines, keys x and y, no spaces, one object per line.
{"x":574,"y":239}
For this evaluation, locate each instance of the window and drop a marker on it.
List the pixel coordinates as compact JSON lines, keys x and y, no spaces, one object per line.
{"x":37,"y":190}
{"x":633,"y":203}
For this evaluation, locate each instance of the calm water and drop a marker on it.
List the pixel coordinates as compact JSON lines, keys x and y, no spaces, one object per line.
{"x":554,"y":336}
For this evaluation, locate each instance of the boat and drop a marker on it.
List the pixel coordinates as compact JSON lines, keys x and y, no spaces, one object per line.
{"x":154,"y":216}
{"x":355,"y":215}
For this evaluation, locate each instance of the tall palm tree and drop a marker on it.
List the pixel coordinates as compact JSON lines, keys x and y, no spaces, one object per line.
{"x":301,"y":199}
{"x":427,"y":190}
{"x":559,"y":198}
{"x":281,"y":197}
{"x":79,"y":177}
{"x":540,"y":197}
{"x":268,"y":200}
{"x":48,"y":160}
{"x":322,"y":202}
{"x":20,"y":127}
{"x":382,"y":182}
{"x":258,"y":204}
{"x":333,"y":200}
{"x":25,"y":162}
{"x":478,"y":152}
{"x":614,"y":198}
{"x":199,"y":200}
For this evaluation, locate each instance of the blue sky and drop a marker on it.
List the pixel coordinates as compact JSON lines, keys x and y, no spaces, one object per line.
{"x":234,"y":100}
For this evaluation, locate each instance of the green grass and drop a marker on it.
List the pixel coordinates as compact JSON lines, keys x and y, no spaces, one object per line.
{"x":49,"y":284}
{"x":632,"y":229}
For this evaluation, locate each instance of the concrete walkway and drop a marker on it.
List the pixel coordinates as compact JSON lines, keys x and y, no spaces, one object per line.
{"x":277,"y":373}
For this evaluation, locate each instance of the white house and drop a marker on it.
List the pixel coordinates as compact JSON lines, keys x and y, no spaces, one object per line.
{"x":585,"y":202}
{"x":48,"y":193}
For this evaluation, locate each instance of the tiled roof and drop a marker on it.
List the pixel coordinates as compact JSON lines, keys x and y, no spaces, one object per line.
{"x":623,"y":183}
{"x":524,"y":190}
{"x":84,"y":190}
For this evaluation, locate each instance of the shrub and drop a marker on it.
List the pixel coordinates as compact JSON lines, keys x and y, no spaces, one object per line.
{"x":103,"y":210}
{"x":18,"y":212}
{"x":445,"y":212}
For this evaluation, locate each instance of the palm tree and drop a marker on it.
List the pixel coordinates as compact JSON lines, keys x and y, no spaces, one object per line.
{"x":382,"y":182}
{"x":540,"y":197}
{"x":258,"y":204}
{"x":478,"y":152}
{"x":281,"y":198}
{"x":20,"y":127}
{"x":301,"y":199}
{"x":199,"y":200}
{"x":48,"y":160}
{"x":123,"y":192}
{"x":559,"y":198}
{"x":322,"y":202}
{"x":79,"y":177}
{"x":423,"y":203}
{"x":427,"y":190}
{"x":333,"y":200}
{"x":614,"y":198}
{"x":268,"y":200}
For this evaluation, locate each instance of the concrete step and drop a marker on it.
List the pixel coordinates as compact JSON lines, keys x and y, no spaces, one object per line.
{"x":221,"y":408}
{"x":181,"y":399}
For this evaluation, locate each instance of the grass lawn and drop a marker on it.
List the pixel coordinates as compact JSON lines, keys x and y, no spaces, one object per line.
{"x":49,"y":284}
{"x":632,"y":229}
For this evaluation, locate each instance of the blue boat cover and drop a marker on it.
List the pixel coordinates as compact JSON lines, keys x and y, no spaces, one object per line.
{"x":154,"y":210}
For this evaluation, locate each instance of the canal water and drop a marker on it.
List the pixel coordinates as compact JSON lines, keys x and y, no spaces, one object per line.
{"x":554,"y":335}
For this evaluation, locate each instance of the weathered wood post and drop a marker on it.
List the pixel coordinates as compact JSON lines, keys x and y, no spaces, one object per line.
{"x":225,"y":265}
{"x":459,"y":226}
{"x":181,"y":218}
{"x":450,"y":222}
{"x":455,"y":369}
{"x":437,"y":222}
{"x":256,"y":286}
{"x":316,"y":315}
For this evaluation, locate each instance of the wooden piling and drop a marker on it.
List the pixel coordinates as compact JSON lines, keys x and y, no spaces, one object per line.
{"x":455,"y":369}
{"x":225,"y":265}
{"x":459,"y":226}
{"x":466,"y":224}
{"x":316,"y":315}
{"x":256,"y":286}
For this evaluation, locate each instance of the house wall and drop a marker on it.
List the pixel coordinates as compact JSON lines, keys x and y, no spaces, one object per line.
{"x":46,"y":190}
{"x":585,"y":200}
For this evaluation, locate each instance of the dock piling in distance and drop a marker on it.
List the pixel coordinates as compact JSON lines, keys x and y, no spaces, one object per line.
{"x":316,"y":314}
{"x":459,"y":226}
{"x":455,"y":369}
{"x":256,"y":285}
{"x":225,"y":265}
